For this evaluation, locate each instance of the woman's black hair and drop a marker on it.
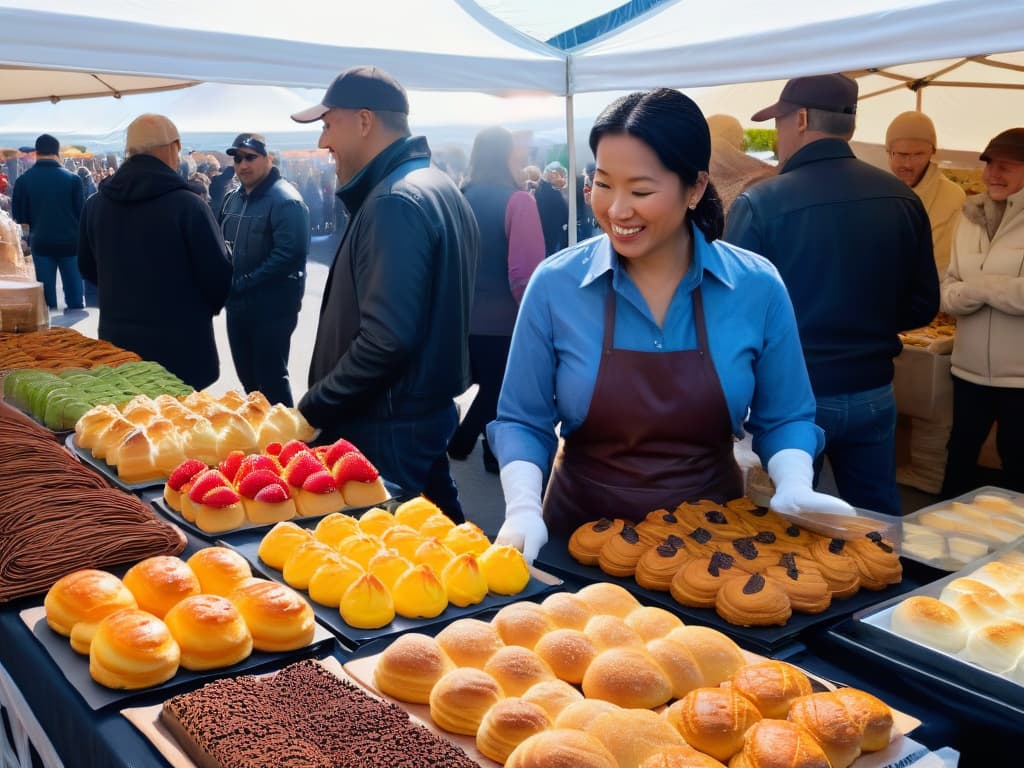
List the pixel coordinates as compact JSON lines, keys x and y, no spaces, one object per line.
{"x":673,"y":126}
{"x":488,"y":161}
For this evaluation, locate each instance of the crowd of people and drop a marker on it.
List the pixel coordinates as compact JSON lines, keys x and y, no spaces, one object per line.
{"x":710,"y":295}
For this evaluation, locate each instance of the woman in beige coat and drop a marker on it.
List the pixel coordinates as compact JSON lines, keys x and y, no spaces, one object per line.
{"x":984,"y":288}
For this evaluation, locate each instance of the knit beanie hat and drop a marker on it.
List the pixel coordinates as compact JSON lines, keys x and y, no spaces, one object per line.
{"x":911,"y":125}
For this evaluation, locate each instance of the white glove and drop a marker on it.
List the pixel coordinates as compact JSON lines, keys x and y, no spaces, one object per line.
{"x":792,"y":471}
{"x":524,"y":526}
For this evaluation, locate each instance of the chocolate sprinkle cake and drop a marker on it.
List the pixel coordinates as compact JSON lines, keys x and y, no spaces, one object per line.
{"x":302,"y":717}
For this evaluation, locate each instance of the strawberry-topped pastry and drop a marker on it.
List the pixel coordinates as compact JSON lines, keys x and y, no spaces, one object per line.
{"x":266,"y":497}
{"x":358,"y":480}
{"x":312,"y":485}
{"x":216,"y":505}
{"x":230,"y":465}
{"x":290,"y":449}
{"x":336,"y":450}
{"x":182,"y":474}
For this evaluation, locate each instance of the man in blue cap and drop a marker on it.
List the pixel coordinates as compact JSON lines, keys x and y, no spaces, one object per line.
{"x":47,"y":202}
{"x":391,"y":349}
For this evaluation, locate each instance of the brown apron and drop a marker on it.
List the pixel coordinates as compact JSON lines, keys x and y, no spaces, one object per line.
{"x":657,"y":433}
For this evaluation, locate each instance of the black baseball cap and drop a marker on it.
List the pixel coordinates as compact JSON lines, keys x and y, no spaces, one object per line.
{"x":359,"y":88}
{"x":47,"y":145}
{"x":831,"y":93}
{"x":252,"y":141}
{"x":1008,"y":145}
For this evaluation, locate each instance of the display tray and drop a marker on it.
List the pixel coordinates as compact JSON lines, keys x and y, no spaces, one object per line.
{"x":157,"y":501}
{"x":951,"y":550}
{"x":555,"y":558}
{"x":872,"y":627}
{"x":75,"y":667}
{"x":108,"y":471}
{"x":540,"y":583}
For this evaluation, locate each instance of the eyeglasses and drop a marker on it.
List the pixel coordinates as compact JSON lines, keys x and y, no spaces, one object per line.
{"x":906,"y":156}
{"x":242,"y":157}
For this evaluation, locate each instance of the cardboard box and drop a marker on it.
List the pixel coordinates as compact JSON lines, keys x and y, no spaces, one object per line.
{"x":923,"y":385}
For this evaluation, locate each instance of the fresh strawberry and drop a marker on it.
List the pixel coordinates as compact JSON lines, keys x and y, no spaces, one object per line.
{"x":338,"y":449}
{"x":300,"y":467}
{"x":354,"y":466}
{"x":255,"y":481}
{"x":256,"y":462}
{"x":222,"y":496}
{"x":321,"y":453}
{"x":274,"y":493}
{"x":231,"y":464}
{"x":207,"y":481}
{"x":184,"y":472}
{"x":319,"y":482}
{"x":273,"y":449}
{"x":289,"y":450}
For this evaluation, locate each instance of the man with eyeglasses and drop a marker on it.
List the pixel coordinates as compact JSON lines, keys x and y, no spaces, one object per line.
{"x":156,"y":253}
{"x":911,"y":144}
{"x":266,"y":226}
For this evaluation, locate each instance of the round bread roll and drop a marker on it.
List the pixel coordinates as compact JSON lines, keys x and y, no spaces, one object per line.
{"x":561,"y":748}
{"x":777,"y":743}
{"x":605,"y":597}
{"x":628,"y":677}
{"x":521,"y":623}
{"x":678,"y":664}
{"x":469,"y":642}
{"x":997,"y":646}
{"x":771,"y":686}
{"x":931,"y":622}
{"x":836,"y":729}
{"x":279,"y":618}
{"x":651,"y":622}
{"x":606,"y":631}
{"x":507,"y":724}
{"x":161,"y":581}
{"x":460,"y":699}
{"x":516,"y":669}
{"x":219,"y":570}
{"x":713,"y":720}
{"x":568,"y":652}
{"x":680,"y":757}
{"x":553,"y":695}
{"x":408,"y":668}
{"x":210,"y":632}
{"x":566,"y":611}
{"x":84,"y":597}
{"x":717,"y":655}
{"x":579,"y":714}
{"x":132,"y":649}
{"x":633,"y":735}
{"x":872,"y":713}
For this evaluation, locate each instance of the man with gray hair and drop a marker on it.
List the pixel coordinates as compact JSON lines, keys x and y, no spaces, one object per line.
{"x":156,"y":253}
{"x":854,"y":247}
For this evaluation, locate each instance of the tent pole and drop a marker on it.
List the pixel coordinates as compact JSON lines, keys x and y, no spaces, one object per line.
{"x":570,"y":133}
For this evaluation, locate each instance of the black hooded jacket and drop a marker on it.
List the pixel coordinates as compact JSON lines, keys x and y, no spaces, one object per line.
{"x":156,"y":253}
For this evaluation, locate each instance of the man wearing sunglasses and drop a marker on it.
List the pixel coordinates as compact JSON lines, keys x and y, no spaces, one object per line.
{"x":266,"y":226}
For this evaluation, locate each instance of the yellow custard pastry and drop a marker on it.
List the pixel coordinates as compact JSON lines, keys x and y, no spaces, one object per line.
{"x":464,"y":581}
{"x":419,"y":594}
{"x":415,"y":512}
{"x":466,"y":537}
{"x":505,"y":569}
{"x":329,"y":582}
{"x":367,"y":604}
{"x":280,"y":542}
{"x":335,"y":528}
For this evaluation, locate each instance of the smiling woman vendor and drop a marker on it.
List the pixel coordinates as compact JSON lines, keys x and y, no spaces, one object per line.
{"x":653,"y":346}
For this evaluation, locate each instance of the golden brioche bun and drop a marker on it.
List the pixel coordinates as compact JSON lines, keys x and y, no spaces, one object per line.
{"x":577,"y":715}
{"x":553,"y":696}
{"x":713,"y":720}
{"x":633,"y":735}
{"x":219,"y":570}
{"x":279,"y":618}
{"x":568,"y":652}
{"x":521,"y":624}
{"x":717,"y":655}
{"x":460,"y":699}
{"x":161,"y":581}
{"x":507,"y":724}
{"x":565,"y":610}
{"x":408,"y":668}
{"x":605,"y":597}
{"x":132,"y":649}
{"x":210,"y":632}
{"x":771,"y":686}
{"x":628,"y":677}
{"x":651,"y":622}
{"x":84,"y":596}
{"x":771,"y":743}
{"x":469,"y":642}
{"x":561,"y":748}
{"x":680,"y":757}
{"x":516,"y":668}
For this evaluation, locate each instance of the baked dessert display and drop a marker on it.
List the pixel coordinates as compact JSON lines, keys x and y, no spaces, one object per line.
{"x":772,"y":686}
{"x":877,"y":561}
{"x":838,"y":731}
{"x":210,"y":632}
{"x":367,"y":604}
{"x":266,"y":498}
{"x":771,"y":743}
{"x":836,"y":566}
{"x":159,"y":582}
{"x":216,"y":506}
{"x":656,"y":567}
{"x":281,"y":542}
{"x":76,"y":603}
{"x":505,"y":569}
{"x":713,"y":720}
{"x":358,"y":481}
{"x":179,"y":480}
{"x":696,"y":584}
{"x":621,"y":552}
{"x":930,"y":621}
{"x":219,"y":570}
{"x":633,"y":735}
{"x":628,"y":677}
{"x":132,"y":649}
{"x":586,"y":541}
{"x":753,"y":602}
{"x":279,"y":617}
{"x":507,"y":724}
{"x":802,"y":581}
{"x":553,"y":696}
{"x":410,"y":667}
{"x":300,"y":717}
{"x":561,"y":748}
{"x":516,"y":669}
{"x":469,"y":642}
{"x":568,"y":652}
{"x":460,"y":699}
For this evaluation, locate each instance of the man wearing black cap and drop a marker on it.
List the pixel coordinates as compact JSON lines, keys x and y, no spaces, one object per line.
{"x":47,"y":202}
{"x":853,"y":245}
{"x":266,"y":225}
{"x":391,"y":348}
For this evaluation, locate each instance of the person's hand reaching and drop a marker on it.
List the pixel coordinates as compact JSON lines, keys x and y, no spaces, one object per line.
{"x":524,"y":526}
{"x":792,"y":472}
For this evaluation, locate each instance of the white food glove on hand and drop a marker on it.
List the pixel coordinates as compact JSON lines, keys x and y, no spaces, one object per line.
{"x":792,"y":471}
{"x":524,"y":527}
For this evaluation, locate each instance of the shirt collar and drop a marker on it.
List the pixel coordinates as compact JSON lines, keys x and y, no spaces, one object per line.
{"x":706,"y":258}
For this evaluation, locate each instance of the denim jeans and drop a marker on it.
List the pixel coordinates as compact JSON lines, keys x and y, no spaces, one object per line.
{"x":46,"y":273}
{"x":860,"y":437}
{"x":409,"y":453}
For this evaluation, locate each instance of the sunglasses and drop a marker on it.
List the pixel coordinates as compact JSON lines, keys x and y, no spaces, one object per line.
{"x":243,"y":157}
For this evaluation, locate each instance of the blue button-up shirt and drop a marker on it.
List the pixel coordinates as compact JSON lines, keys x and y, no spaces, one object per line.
{"x":556,"y":347}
